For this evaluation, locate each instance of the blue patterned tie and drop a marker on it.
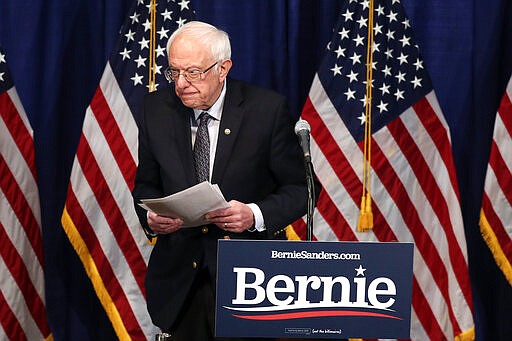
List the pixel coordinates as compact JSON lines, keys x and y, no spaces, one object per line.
{"x":202,"y":149}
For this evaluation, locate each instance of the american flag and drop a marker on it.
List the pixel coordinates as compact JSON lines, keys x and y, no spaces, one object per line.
{"x":99,"y":217}
{"x":496,"y":213}
{"x":413,"y":181}
{"x":22,"y":300}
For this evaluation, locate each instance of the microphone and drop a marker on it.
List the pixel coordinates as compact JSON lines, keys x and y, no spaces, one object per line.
{"x":302,"y":130}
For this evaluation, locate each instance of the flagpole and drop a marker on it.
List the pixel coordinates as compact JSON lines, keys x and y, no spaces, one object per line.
{"x":152,"y":41}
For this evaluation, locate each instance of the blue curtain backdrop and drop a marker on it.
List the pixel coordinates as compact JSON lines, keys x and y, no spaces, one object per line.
{"x":57,"y":51}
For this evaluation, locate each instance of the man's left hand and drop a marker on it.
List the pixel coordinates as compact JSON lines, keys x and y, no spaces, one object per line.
{"x":237,"y":218}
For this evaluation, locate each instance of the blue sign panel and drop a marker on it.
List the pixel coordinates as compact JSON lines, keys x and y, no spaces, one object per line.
{"x":298,"y":289}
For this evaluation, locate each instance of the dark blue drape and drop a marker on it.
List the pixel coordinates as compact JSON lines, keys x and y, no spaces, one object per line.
{"x":57,"y":51}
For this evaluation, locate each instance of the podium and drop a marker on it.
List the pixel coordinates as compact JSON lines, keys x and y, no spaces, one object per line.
{"x":303,"y":289}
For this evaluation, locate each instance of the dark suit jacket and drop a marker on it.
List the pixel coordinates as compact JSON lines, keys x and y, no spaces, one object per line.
{"x":259,"y":161}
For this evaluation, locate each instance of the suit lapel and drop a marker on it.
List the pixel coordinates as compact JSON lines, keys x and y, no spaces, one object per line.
{"x":184,"y":143}
{"x":229,"y":129}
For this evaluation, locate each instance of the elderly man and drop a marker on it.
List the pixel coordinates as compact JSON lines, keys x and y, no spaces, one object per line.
{"x":251,"y":153}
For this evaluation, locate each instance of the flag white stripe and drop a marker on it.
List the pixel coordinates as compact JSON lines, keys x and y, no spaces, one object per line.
{"x":120,"y":110}
{"x":113,"y":254}
{"x":441,"y":175}
{"x":105,"y":237}
{"x":434,"y":229}
{"x":115,"y":180}
{"x":13,"y":94}
{"x":503,"y":141}
{"x":495,"y":194}
{"x":329,"y":115}
{"x":19,"y":239}
{"x":18,"y":305}
{"x":3,"y":335}
{"x":20,"y":170}
{"x":393,"y":215}
{"x":417,"y":328}
{"x":335,"y":189}
{"x":121,"y":194}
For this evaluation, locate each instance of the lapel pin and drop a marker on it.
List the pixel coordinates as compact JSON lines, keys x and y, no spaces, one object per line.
{"x":227,"y":131}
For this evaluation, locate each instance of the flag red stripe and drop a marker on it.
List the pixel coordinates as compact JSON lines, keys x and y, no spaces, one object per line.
{"x":332,"y":152}
{"x":336,"y":220}
{"x":10,"y":323}
{"x":434,"y":196}
{"x":439,"y":137}
{"x":19,"y":273}
{"x":503,"y":174}
{"x":505,"y":112}
{"x":103,"y":265}
{"x":419,"y":302}
{"x":21,"y":208}
{"x":111,"y":211}
{"x":18,"y":130}
{"x":299,"y":226}
{"x":114,"y":137}
{"x":497,"y":226}
{"x":345,"y":174}
{"x":423,"y":242}
{"x":426,"y":318}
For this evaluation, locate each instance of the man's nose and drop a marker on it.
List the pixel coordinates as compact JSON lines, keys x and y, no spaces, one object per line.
{"x":181,"y":81}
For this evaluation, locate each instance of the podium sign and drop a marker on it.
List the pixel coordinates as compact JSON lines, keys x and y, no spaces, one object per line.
{"x":298,"y":289}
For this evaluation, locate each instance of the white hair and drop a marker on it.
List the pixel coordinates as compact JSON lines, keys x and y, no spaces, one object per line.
{"x":215,"y":39}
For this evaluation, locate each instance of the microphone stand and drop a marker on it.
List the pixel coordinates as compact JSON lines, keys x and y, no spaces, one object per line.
{"x":311,"y":198}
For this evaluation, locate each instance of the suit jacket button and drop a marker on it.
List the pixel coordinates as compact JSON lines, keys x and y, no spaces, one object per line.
{"x":194,"y":265}
{"x":204,"y":229}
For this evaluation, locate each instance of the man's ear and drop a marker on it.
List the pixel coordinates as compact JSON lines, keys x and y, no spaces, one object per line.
{"x":224,"y":68}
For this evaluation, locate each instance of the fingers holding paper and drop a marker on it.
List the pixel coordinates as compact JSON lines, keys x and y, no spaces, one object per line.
{"x":163,"y":225}
{"x":236,"y":218}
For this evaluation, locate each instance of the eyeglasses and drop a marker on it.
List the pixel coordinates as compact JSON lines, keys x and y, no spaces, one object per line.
{"x":193,"y":75}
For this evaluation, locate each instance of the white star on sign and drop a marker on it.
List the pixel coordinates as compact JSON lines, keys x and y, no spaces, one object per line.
{"x":360,"y":270}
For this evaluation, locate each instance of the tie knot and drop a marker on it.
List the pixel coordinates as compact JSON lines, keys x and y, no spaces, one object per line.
{"x":204,"y":117}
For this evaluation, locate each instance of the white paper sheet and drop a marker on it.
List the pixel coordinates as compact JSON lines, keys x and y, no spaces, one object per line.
{"x":190,"y":204}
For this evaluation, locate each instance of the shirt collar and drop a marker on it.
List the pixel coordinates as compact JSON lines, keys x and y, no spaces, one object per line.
{"x":216,"y":109}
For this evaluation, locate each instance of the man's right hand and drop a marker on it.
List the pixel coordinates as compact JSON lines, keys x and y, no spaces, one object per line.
{"x":163,"y":225}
